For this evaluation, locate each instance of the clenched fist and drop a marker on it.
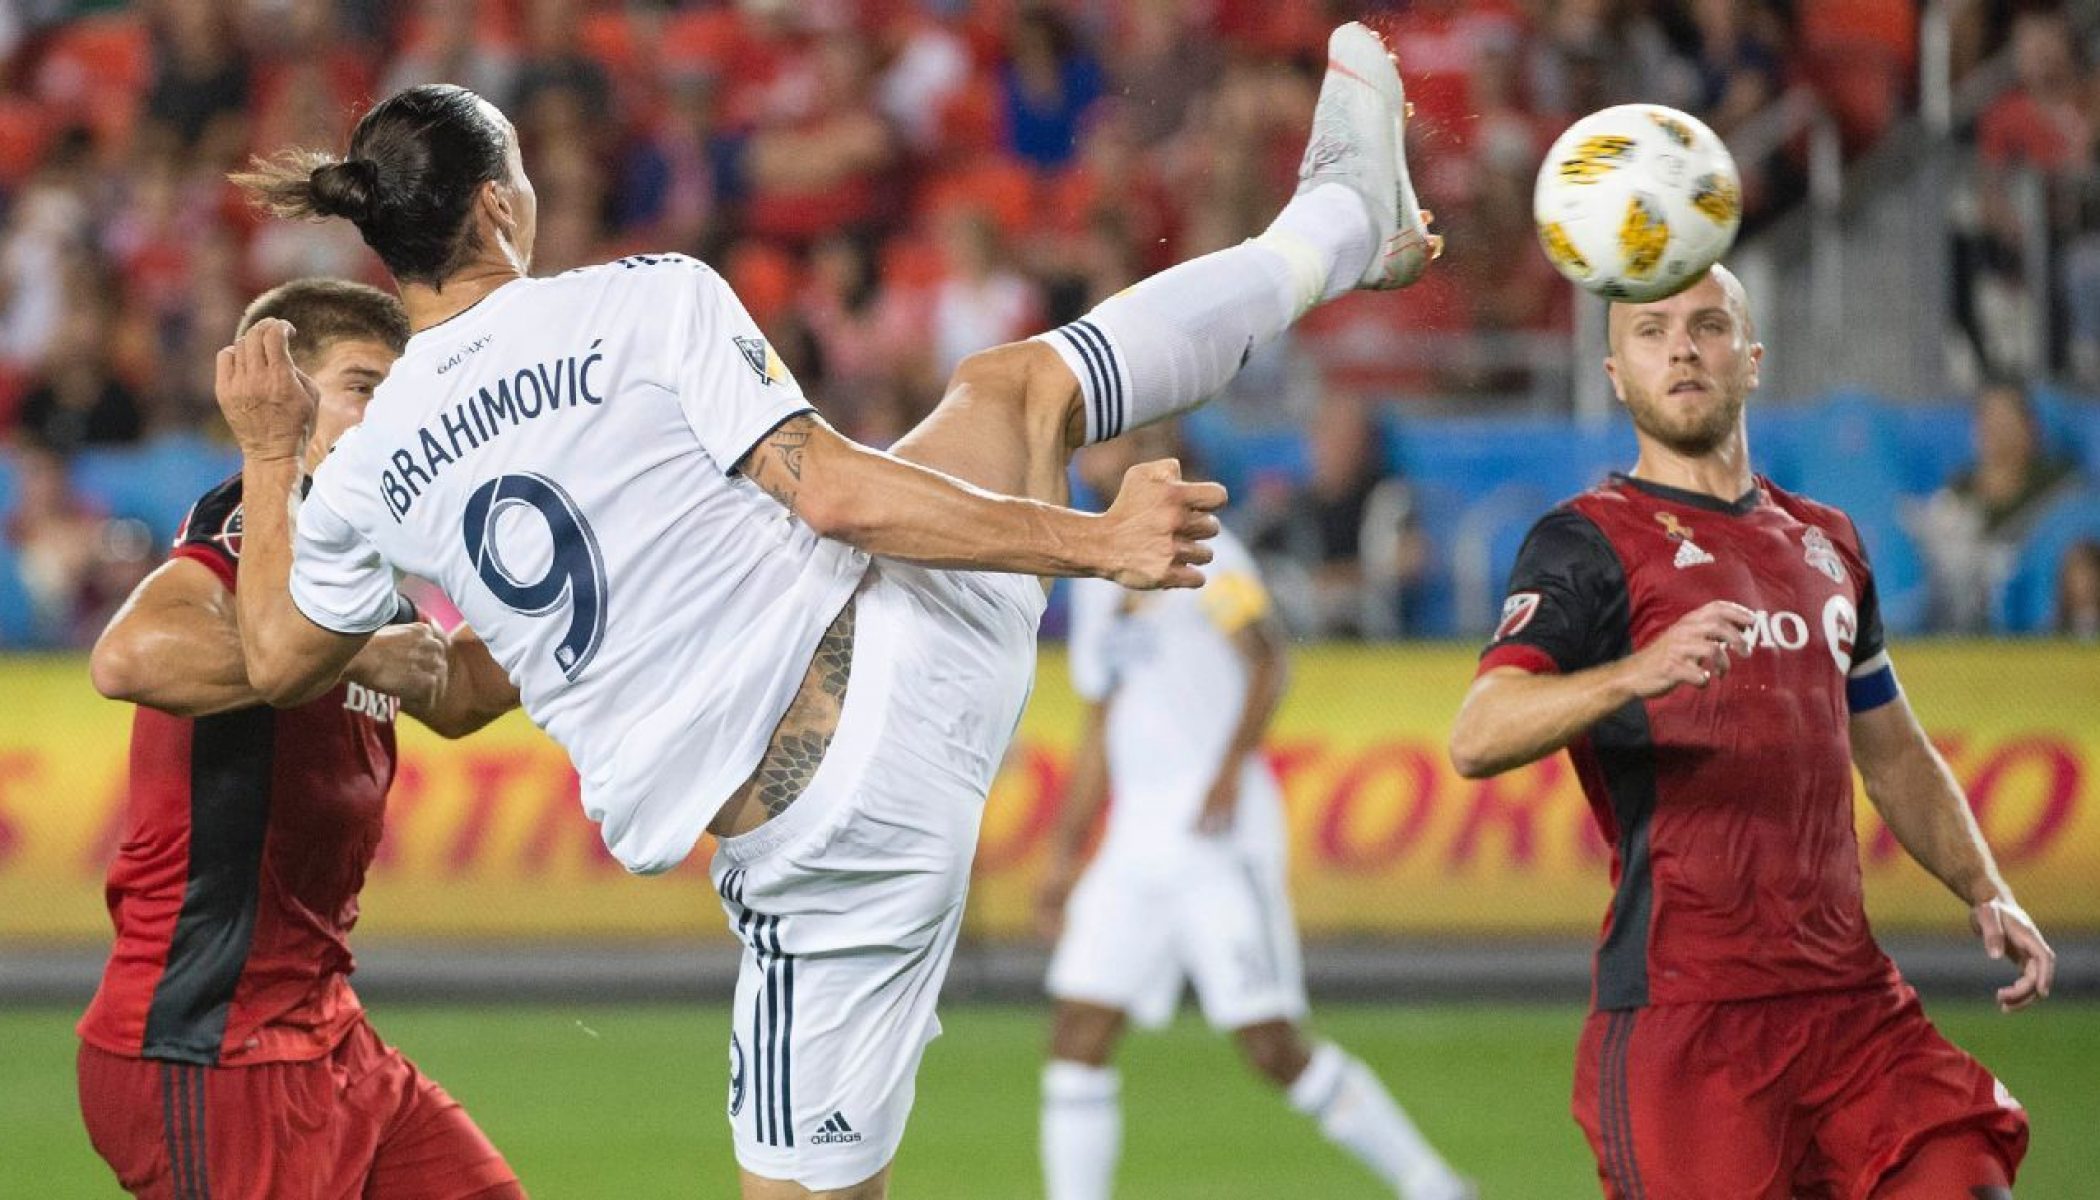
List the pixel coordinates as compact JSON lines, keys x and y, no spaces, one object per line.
{"x":1157,"y":527}
{"x":269,"y":403}
{"x":407,"y":661}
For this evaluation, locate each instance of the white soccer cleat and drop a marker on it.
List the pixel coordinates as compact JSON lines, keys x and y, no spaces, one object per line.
{"x":1359,"y":140}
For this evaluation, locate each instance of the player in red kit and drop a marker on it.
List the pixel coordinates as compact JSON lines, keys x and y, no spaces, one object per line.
{"x":1709,"y":651}
{"x":224,"y":1054}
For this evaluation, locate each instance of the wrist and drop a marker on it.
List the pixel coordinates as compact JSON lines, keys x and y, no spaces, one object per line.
{"x":1617,"y":681}
{"x":1985,"y":891}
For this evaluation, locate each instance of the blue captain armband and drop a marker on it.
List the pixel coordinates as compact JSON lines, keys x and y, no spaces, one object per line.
{"x":1871,"y":685}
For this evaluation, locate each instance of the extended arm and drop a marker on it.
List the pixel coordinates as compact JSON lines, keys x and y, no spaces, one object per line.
{"x":175,"y":646}
{"x":1511,"y":717}
{"x":1911,"y":786}
{"x":1260,"y":645}
{"x":1086,"y":794}
{"x":1151,"y":537}
{"x":269,"y":405}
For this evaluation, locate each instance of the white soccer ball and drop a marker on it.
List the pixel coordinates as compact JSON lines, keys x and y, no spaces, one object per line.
{"x":1636,"y":201}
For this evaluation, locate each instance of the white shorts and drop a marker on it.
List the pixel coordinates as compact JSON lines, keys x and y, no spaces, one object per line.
{"x":1207,"y":911}
{"x":848,"y":903}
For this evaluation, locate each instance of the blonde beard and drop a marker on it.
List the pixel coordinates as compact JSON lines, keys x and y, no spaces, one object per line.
{"x":1693,"y":438}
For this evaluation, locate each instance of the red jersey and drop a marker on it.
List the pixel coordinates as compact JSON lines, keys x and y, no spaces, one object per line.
{"x":1729,"y":809}
{"x":246,"y":840}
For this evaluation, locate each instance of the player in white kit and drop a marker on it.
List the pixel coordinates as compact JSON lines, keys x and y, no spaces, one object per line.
{"x":1190,"y":880}
{"x":733,"y":619}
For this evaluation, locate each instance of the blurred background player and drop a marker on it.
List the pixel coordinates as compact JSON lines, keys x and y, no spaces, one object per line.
{"x":1709,"y":649}
{"x":786,"y":673}
{"x":225,"y":1052}
{"x":1190,"y":881}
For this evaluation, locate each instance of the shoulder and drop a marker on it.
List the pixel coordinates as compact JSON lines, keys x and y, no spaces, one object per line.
{"x":215,"y":519}
{"x":639,"y":270}
{"x":1832,"y":520}
{"x":1573,"y":527}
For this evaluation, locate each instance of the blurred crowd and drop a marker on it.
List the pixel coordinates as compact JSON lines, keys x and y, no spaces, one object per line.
{"x":889,"y":185}
{"x":2027,"y":247}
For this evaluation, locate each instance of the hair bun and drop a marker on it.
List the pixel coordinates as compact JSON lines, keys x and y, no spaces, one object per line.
{"x":346,"y":189}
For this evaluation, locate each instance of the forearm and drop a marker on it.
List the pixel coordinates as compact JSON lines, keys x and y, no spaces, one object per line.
{"x":1266,"y":681}
{"x":1918,"y":797}
{"x":1511,"y":718}
{"x":895,"y":509}
{"x":476,"y":692}
{"x":271,"y":626}
{"x":187,"y":667}
{"x":1086,"y":794}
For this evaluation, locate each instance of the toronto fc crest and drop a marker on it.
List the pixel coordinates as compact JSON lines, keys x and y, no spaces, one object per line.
{"x":1821,"y":555}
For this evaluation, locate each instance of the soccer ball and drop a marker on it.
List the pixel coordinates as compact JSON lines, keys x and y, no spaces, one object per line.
{"x":1636,"y":201}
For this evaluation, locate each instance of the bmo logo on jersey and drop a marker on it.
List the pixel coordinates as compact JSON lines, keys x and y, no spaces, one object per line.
{"x":379,"y":706}
{"x":1776,"y":631}
{"x":1785,"y":630}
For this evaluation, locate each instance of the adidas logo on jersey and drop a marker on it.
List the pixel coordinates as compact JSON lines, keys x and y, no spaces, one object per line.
{"x":834,"y":1132}
{"x":1690,"y":555}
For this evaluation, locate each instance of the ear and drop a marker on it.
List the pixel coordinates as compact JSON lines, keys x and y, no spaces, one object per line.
{"x":1611,"y":371}
{"x":1757,"y":358}
{"x":493,"y":202}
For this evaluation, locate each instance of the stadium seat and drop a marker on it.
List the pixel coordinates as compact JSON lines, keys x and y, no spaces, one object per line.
{"x":1438,"y":508}
{"x":2070,"y":426}
{"x":2026,"y":603}
{"x":1851,"y":456}
{"x":156,"y":482}
{"x":17,"y":615}
{"x":1484,"y":549}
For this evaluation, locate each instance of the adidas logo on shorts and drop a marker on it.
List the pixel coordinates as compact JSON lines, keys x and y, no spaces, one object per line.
{"x":834,"y":1132}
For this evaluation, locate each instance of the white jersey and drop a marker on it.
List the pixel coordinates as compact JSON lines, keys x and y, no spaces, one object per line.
{"x":559,"y":459}
{"x":1175,"y":686}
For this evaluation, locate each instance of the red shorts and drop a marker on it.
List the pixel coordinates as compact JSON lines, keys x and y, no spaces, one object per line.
{"x":360,"y":1122}
{"x":1823,"y":1096}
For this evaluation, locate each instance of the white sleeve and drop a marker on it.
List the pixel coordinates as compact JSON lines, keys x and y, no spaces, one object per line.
{"x":1093,"y":675}
{"x":732,"y":385}
{"x":338,"y":578}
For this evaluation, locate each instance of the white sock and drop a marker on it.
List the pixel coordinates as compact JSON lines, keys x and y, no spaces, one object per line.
{"x":1082,"y":1130}
{"x":1329,"y":236}
{"x":1357,"y":1113}
{"x":1168,"y":343}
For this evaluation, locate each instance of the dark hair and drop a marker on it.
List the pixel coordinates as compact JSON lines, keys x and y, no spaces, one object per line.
{"x":415,"y":165}
{"x":326,"y":311}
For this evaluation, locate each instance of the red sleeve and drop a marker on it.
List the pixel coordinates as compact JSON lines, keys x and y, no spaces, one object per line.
{"x":220,"y":563}
{"x":1520,"y":656}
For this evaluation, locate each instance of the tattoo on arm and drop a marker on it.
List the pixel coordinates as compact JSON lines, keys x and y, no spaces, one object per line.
{"x":775,"y":464}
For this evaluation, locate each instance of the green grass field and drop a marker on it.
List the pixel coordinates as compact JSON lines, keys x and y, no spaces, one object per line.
{"x":626,"y":1101}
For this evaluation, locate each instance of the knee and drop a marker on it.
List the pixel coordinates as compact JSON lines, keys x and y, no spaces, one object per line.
{"x":1028,"y":375}
{"x":1275,"y":1051}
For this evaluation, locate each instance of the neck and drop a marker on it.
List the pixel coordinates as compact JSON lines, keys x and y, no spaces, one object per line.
{"x":1722,"y":472}
{"x":427,"y":305}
